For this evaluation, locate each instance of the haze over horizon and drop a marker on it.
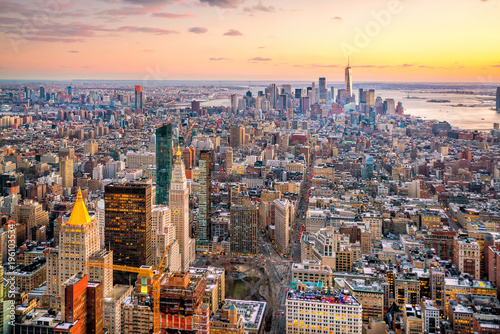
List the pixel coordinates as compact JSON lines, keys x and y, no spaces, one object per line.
{"x":388,"y":41}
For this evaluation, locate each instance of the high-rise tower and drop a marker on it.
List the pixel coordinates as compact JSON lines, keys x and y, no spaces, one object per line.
{"x":78,"y":241}
{"x":498,"y":99}
{"x":323,"y":93}
{"x":163,"y":163}
{"x":138,"y":97}
{"x":179,"y":205}
{"x":127,"y":229}
{"x":348,"y":80}
{"x":203,"y":235}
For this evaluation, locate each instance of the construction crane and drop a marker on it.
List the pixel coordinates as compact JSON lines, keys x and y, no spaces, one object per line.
{"x":154,"y":274}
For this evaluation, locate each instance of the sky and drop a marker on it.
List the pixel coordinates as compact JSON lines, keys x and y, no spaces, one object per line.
{"x":384,"y":40}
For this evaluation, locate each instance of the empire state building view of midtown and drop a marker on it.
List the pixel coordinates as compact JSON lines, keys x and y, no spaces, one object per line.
{"x":249,"y":167}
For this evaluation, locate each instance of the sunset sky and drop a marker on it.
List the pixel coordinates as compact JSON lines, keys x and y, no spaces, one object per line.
{"x":388,"y":40}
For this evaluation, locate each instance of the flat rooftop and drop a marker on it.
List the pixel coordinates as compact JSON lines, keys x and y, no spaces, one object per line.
{"x":251,"y":311}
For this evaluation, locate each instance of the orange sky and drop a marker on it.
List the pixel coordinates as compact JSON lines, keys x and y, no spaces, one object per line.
{"x":387,"y":40}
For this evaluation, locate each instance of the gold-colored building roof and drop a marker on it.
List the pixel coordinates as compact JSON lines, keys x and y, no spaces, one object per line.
{"x":79,"y":215}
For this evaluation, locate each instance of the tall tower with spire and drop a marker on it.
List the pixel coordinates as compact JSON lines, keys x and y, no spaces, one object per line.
{"x":348,"y":79}
{"x":179,"y":206}
{"x":78,"y":243}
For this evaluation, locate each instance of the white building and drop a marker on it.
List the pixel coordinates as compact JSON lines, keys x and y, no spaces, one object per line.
{"x":317,"y":311}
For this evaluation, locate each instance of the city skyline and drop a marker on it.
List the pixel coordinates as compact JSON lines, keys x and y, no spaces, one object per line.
{"x":152,"y":40}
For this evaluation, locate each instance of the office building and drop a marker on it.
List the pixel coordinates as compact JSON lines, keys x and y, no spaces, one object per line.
{"x":312,"y":310}
{"x":244,"y":226}
{"x":282,"y":216}
{"x":413,"y":322}
{"x":467,"y":257}
{"x":90,"y":147}
{"x":252,"y":313}
{"x":204,"y":203}
{"x":348,"y":81}
{"x":138,"y":97}
{"x":312,"y":271}
{"x":323,"y":92}
{"x":127,"y":230}
{"x":82,"y":309}
{"x":164,"y":159}
{"x":66,"y":172}
{"x":42,"y":93}
{"x":237,"y":136}
{"x":498,"y":99}
{"x":227,"y":321}
{"x":371,"y":297}
{"x":234,"y":103}
{"x":179,"y":204}
{"x":78,"y":241}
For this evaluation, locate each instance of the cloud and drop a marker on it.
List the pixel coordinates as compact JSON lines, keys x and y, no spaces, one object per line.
{"x":149,"y":3}
{"x":147,"y":51}
{"x":198,"y":30}
{"x":173,"y":15}
{"x":321,"y":65}
{"x":233,"y":32}
{"x":259,"y":59}
{"x":493,"y":66}
{"x":52,"y":39}
{"x":408,"y":65}
{"x":261,"y":47}
{"x":425,"y":66}
{"x":260,"y":8}
{"x":126,"y":11}
{"x":148,"y":30}
{"x":223,"y":3}
{"x":337,"y":18}
{"x":73,"y":51}
{"x":217,"y":59}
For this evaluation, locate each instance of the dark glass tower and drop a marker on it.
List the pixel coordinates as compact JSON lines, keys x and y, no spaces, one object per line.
{"x":128,"y":228}
{"x":163,"y":163}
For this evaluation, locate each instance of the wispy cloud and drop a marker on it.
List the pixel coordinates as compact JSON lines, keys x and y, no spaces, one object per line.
{"x":322,"y":65}
{"x":259,"y":59}
{"x":73,"y":51}
{"x":222,"y":3}
{"x":198,"y":30}
{"x":217,"y":59}
{"x":259,"y":8}
{"x":233,"y":32}
{"x":172,"y":15}
{"x":128,"y":11}
{"x":337,"y":18}
{"x":148,"y":30}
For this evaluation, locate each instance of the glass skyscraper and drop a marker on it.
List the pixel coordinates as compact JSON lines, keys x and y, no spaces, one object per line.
{"x":163,"y":163}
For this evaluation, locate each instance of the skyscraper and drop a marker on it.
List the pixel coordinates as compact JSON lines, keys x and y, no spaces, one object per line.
{"x":282,"y":223}
{"x":179,"y":204}
{"x":273,"y":94}
{"x":244,"y":226}
{"x":203,"y":235}
{"x":348,"y":80}
{"x":237,"y":136}
{"x":498,"y":99}
{"x":138,"y":97}
{"x":323,"y":93}
{"x":78,"y":241}
{"x":127,"y":230}
{"x":66,"y":172}
{"x":42,"y":92}
{"x":234,"y":103}
{"x":163,"y":163}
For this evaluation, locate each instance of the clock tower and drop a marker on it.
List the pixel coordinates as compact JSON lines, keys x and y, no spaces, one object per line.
{"x":179,"y":205}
